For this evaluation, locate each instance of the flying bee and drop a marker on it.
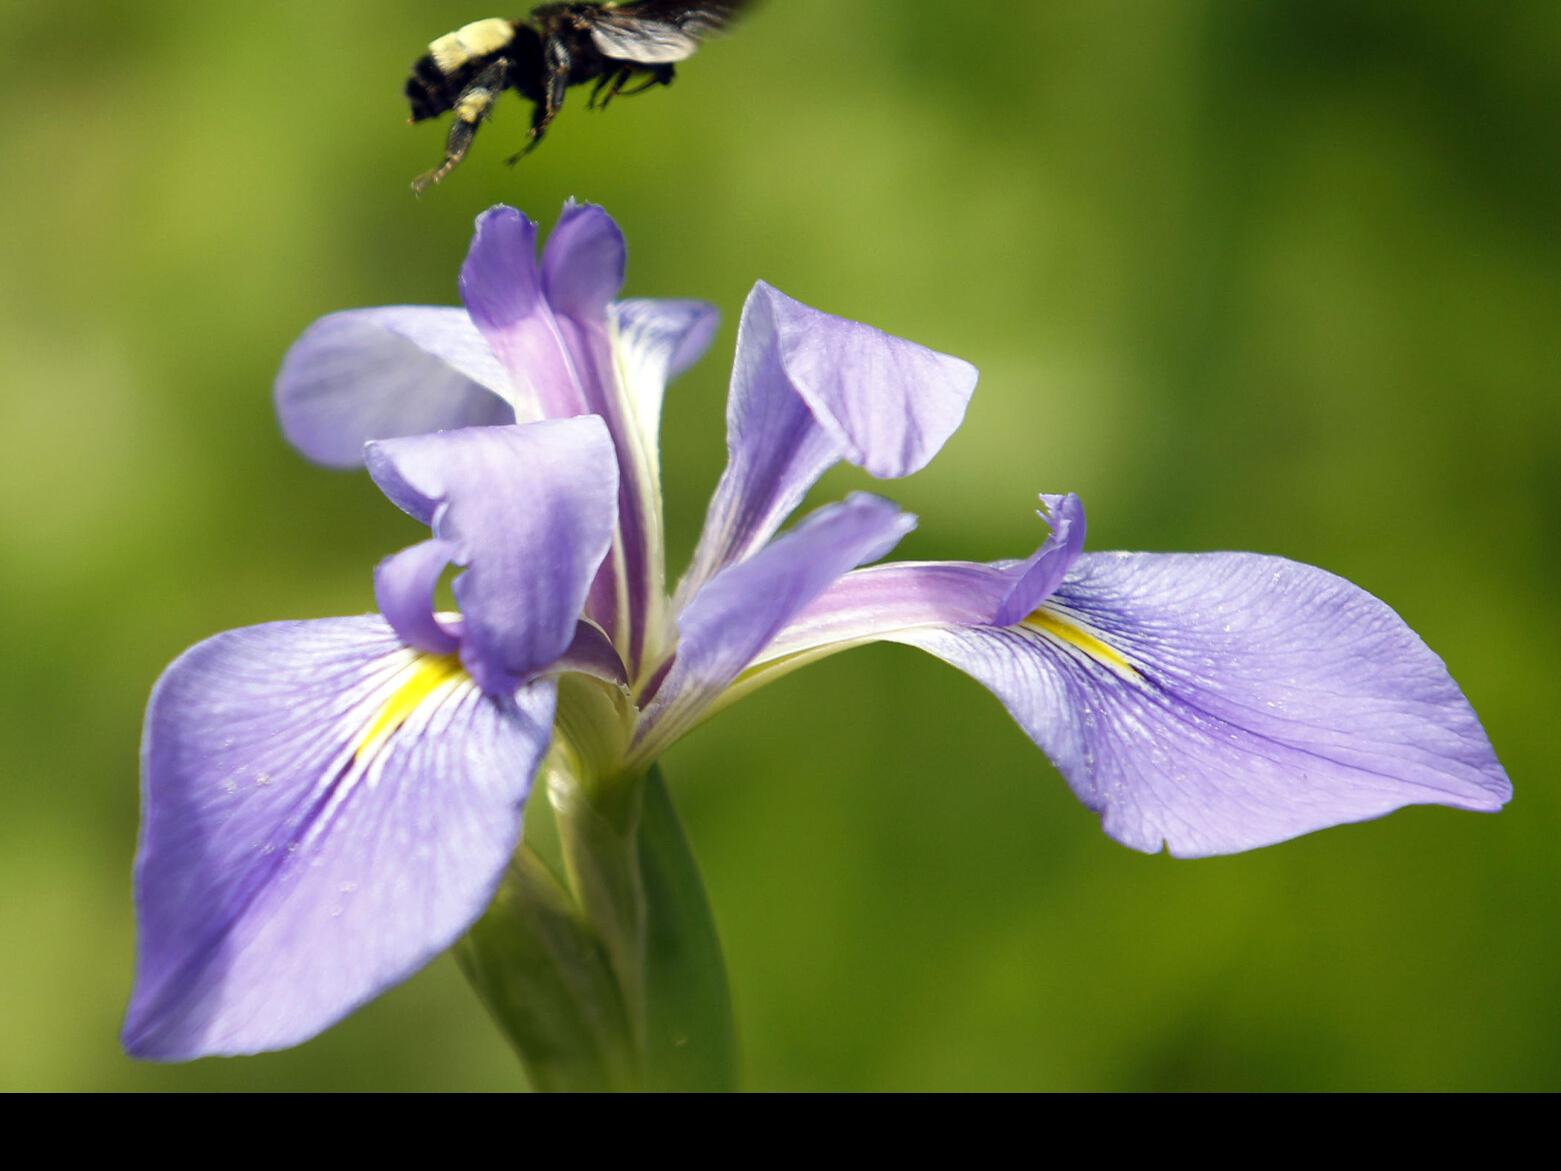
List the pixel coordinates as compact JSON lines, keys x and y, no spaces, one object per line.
{"x":557,"y":46}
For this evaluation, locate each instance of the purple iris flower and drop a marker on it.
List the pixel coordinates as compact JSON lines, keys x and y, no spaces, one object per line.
{"x":329,"y":804}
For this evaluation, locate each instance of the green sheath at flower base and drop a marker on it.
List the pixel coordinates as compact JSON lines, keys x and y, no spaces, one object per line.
{"x":616,"y":982}
{"x":544,"y":976}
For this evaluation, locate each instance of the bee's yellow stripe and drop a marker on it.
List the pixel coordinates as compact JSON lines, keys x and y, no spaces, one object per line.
{"x":429,"y":673}
{"x":1065,"y":630}
{"x":477,"y":39}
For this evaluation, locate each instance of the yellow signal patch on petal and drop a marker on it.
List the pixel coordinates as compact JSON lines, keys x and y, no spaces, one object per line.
{"x":429,"y":673}
{"x":1065,"y":629}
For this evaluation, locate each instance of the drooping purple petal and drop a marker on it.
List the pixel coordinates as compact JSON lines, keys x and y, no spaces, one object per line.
{"x":324,"y":811}
{"x":529,"y":511}
{"x":382,"y":373}
{"x":1217,"y":702}
{"x":809,"y":389}
{"x":742,"y":608}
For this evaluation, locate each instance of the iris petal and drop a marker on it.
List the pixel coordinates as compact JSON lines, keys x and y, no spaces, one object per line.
{"x":741,"y":609}
{"x":324,"y":812}
{"x":554,"y":329}
{"x":502,"y":288}
{"x":808,"y":390}
{"x":529,"y":511}
{"x":1206,"y":703}
{"x":1042,"y":573}
{"x":382,"y":373}
{"x":404,"y":585}
{"x":869,"y":603}
{"x":583,"y":261}
{"x":652,"y":342}
{"x":1217,"y":702}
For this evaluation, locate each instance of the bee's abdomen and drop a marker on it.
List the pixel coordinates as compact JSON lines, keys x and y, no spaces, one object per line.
{"x":452,"y":61}
{"x":429,"y":90}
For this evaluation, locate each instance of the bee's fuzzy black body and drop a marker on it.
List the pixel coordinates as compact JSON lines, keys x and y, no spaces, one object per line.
{"x":557,"y":46}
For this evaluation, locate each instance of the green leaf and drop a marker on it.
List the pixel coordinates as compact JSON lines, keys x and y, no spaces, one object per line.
{"x":691,"y":1037}
{"x":544,"y":976}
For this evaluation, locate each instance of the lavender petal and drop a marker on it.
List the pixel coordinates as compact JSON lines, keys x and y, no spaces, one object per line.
{"x":583,"y":262}
{"x":324,"y":811}
{"x":529,"y":511}
{"x":725,"y":626}
{"x":1212,"y":703}
{"x":809,"y":389}
{"x":1037,"y":578}
{"x":382,"y":373}
{"x":404,"y":585}
{"x":502,"y":288}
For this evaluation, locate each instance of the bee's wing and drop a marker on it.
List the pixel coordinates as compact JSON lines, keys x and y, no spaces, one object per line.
{"x":657,"y":32}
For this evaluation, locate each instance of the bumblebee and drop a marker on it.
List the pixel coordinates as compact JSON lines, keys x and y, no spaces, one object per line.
{"x":557,"y":46}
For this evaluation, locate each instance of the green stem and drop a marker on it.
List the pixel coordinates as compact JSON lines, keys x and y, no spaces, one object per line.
{"x":616,"y":982}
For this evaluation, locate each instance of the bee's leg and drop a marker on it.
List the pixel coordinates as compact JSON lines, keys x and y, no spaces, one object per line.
{"x":659,"y":75}
{"x":473,"y":105}
{"x":612,"y":76}
{"x":555,"y":64}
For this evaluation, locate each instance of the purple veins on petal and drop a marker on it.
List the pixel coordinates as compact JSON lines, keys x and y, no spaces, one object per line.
{"x":324,"y":812}
{"x":1213,"y":703}
{"x":891,"y":404}
{"x":659,"y":339}
{"x":1205,"y":703}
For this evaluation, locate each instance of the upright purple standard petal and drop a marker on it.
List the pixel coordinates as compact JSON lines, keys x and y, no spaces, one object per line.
{"x":529,"y":511}
{"x":651,"y":342}
{"x":1212,"y":703}
{"x":555,"y":330}
{"x":324,"y":812}
{"x":583,"y":262}
{"x":382,"y":373}
{"x":504,"y":293}
{"x":809,"y":389}
{"x":740,"y":610}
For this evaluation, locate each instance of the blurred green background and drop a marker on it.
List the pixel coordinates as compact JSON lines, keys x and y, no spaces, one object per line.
{"x":1270,"y":276}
